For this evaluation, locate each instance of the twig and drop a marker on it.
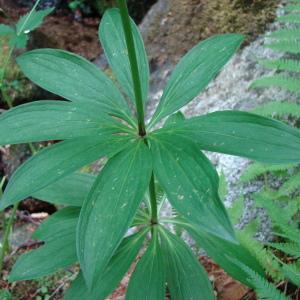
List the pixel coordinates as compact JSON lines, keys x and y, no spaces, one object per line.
{"x":28,"y":244}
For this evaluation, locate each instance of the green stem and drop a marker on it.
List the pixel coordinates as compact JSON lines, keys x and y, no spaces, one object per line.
{"x":134,"y":65}
{"x":154,"y":219}
{"x":5,"y":243}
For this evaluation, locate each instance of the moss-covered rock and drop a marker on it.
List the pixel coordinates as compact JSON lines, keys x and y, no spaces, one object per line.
{"x":183,"y":23}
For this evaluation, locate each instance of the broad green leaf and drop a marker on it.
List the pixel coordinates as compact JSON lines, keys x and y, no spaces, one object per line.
{"x":63,"y":220}
{"x":110,"y":207}
{"x":113,"y":273}
{"x":70,"y":190}
{"x":242,"y":134}
{"x":221,"y":250}
{"x":175,"y":118}
{"x":74,"y":78}
{"x":191,"y":183}
{"x":52,"y":120}
{"x":112,"y":38}
{"x":186,"y":278}
{"x":57,"y":161}
{"x":32,"y":20}
{"x":148,"y":278}
{"x":18,"y":41}
{"x":58,"y":252}
{"x":194,"y":72}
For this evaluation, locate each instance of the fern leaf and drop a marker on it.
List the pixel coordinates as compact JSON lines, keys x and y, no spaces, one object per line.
{"x":289,"y":232}
{"x":278,"y":109}
{"x":292,"y":273}
{"x":291,"y":249}
{"x":291,"y":185}
{"x":263,"y":255}
{"x":292,"y":8}
{"x":280,"y":81}
{"x":290,"y":46}
{"x":256,"y":170}
{"x":279,"y":217}
{"x":236,"y":210}
{"x":290,"y":65}
{"x":264,"y":289}
{"x":285,"y":34}
{"x":290,"y":18}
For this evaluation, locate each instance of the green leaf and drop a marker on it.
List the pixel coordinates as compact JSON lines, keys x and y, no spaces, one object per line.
{"x":256,"y":170}
{"x":113,"y":273}
{"x":288,"y":248}
{"x":220,"y":250}
{"x":58,"y":252}
{"x":175,"y":118}
{"x":290,"y":186}
{"x":186,"y":278}
{"x":242,"y":134}
{"x":113,"y":41}
{"x":191,"y":183}
{"x":57,"y":161}
{"x":264,"y":289}
{"x":18,"y":41}
{"x":111,"y":206}
{"x":32,"y":20}
{"x":194,"y":72}
{"x":278,"y":109}
{"x":63,"y":220}
{"x":281,"y":64}
{"x":289,"y":46}
{"x":6,"y":30}
{"x":280,"y":81}
{"x":292,"y":273}
{"x":74,"y":78}
{"x":236,"y":210}
{"x":291,"y":18}
{"x":70,"y":190}
{"x":148,"y":278}
{"x":285,"y":34}
{"x":57,"y":120}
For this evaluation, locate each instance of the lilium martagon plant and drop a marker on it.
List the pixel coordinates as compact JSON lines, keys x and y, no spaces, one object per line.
{"x":97,"y":122}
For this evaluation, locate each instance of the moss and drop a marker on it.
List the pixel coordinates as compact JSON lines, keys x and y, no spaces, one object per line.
{"x":190,"y":21}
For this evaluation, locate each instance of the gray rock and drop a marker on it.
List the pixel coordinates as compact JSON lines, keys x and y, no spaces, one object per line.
{"x":230,"y":90}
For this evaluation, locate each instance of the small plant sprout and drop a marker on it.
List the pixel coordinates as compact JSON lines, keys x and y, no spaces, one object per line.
{"x":143,"y":162}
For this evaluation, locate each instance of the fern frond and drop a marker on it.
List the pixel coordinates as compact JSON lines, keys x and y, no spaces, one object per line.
{"x":292,"y":273}
{"x":279,"y":216}
{"x":278,"y":109}
{"x":264,"y":289}
{"x":285,"y":46}
{"x":292,"y":8}
{"x":256,"y":170}
{"x":263,"y":255}
{"x":290,"y":18}
{"x":280,"y":81}
{"x":285,"y":34}
{"x":289,"y":232}
{"x":291,"y":249}
{"x":291,"y":185}
{"x":289,"y":65}
{"x":236,"y":210}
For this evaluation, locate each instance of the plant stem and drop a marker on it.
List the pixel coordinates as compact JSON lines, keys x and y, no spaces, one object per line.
{"x":154,"y":219}
{"x":134,"y":66}
{"x":5,"y":244}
